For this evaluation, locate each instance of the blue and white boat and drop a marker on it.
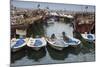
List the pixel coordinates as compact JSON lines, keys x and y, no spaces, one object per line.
{"x":17,"y":44}
{"x":57,"y":44}
{"x":72,"y":41}
{"x":37,"y":43}
{"x":89,"y":37}
{"x":60,"y":44}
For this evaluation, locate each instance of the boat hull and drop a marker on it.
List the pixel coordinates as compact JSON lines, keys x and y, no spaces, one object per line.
{"x":57,"y":48}
{"x":37,"y":48}
{"x":75,"y":46}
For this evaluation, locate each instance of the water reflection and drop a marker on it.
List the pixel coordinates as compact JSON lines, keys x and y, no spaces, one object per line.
{"x":88,"y":48}
{"x":73,"y":50}
{"x":36,"y":55}
{"x":62,"y":55}
{"x":57,"y":55}
{"x":17,"y":55}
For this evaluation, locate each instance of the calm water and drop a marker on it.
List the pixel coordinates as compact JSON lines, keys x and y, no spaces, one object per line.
{"x":47,"y":55}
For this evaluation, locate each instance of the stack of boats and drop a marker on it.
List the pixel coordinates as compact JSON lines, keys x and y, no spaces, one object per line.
{"x":41,"y":42}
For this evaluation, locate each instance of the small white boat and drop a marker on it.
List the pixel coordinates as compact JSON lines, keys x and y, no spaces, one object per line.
{"x":89,"y":37}
{"x":51,"y":21}
{"x":37,"y":43}
{"x":72,"y":41}
{"x":57,"y":44}
{"x":17,"y":44}
{"x":60,"y":44}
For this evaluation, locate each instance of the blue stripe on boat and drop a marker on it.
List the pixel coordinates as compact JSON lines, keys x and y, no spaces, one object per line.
{"x":19,"y":42}
{"x":37,"y":43}
{"x":90,"y":36}
{"x":71,"y":41}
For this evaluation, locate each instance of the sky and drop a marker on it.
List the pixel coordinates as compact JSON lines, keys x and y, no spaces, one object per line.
{"x":53,"y":6}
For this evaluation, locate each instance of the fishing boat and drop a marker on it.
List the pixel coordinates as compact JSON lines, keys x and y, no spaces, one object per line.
{"x":89,"y":37}
{"x":17,"y":44}
{"x":72,"y":41}
{"x":36,"y":43}
{"x":51,"y":21}
{"x":60,"y":44}
{"x":57,"y":44}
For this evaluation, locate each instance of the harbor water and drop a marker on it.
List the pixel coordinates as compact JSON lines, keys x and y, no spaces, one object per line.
{"x":48,"y":55}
